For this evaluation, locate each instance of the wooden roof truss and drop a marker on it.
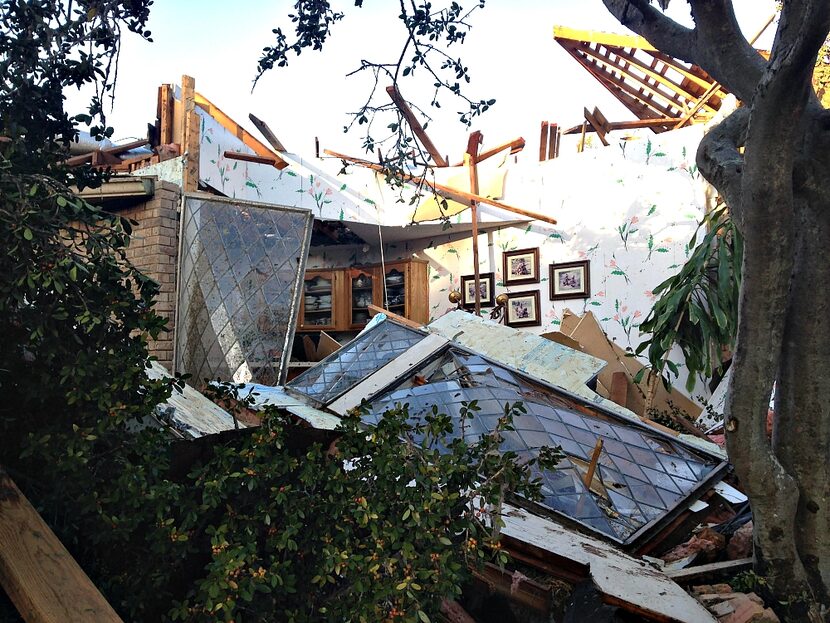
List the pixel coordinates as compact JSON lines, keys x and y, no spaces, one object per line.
{"x":652,"y":85}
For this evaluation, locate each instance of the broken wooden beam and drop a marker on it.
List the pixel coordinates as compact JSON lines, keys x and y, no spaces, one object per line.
{"x":416,"y":126}
{"x":263,"y":128}
{"x":41,"y":578}
{"x":102,"y":154}
{"x":274,"y":161}
{"x":450,"y":193}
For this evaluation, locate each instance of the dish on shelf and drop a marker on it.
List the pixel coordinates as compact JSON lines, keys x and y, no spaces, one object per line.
{"x":317,"y":290}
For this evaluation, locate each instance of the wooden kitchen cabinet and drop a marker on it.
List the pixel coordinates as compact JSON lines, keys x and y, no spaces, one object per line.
{"x":337,"y":299}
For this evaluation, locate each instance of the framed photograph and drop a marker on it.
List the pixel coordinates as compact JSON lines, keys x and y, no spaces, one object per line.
{"x":521,"y":267}
{"x":523,"y":309}
{"x":486,"y":287}
{"x":570,"y":280}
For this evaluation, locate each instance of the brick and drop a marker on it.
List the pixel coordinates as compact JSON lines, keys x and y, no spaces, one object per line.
{"x":721,"y":588}
{"x":744,"y":610}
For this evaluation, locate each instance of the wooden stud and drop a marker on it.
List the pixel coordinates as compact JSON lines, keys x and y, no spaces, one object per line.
{"x":582,"y":137}
{"x":164,"y":114}
{"x":190,"y":136}
{"x":416,"y":126}
{"x":450,"y":193}
{"x":471,"y":160}
{"x":39,"y":575}
{"x":543,"y":141}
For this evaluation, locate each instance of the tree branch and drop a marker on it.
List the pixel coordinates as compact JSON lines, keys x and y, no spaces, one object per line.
{"x":661,"y":31}
{"x":720,"y":162}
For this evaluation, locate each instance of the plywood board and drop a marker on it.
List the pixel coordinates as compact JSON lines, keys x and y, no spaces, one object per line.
{"x":623,"y":580}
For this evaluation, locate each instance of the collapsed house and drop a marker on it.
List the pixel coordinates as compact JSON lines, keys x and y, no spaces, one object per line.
{"x":268,"y":262}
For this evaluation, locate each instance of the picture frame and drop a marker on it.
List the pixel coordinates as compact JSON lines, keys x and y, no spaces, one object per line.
{"x":487,"y":287}
{"x":521,"y":267}
{"x":570,"y":280}
{"x":523,"y":309}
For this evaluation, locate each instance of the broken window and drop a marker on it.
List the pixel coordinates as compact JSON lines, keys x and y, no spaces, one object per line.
{"x":363,"y":356}
{"x":640,"y":474}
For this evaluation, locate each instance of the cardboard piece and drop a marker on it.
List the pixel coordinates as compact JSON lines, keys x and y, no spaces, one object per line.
{"x":587,"y":331}
{"x":324,"y":347}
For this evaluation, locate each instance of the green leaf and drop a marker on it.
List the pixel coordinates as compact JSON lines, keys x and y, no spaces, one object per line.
{"x":27,"y":233}
{"x":423,"y":616}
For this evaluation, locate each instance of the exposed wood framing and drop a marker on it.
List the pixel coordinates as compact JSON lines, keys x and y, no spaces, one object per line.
{"x":651,"y":84}
{"x":600,"y":128}
{"x":40,"y":577}
{"x":416,"y":126}
{"x":445,"y":191}
{"x":543,"y":142}
{"x":516,"y":145}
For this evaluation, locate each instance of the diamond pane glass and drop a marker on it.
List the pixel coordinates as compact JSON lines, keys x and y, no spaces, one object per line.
{"x":361,"y":357}
{"x":238,"y":299}
{"x":639,"y":477}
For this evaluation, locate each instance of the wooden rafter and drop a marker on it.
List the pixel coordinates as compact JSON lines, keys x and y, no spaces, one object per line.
{"x":654,"y":86}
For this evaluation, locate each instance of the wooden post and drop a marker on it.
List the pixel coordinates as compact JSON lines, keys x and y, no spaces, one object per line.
{"x":553,"y":133}
{"x":582,"y":138}
{"x":190,"y":136}
{"x":543,"y":141}
{"x":471,"y":160}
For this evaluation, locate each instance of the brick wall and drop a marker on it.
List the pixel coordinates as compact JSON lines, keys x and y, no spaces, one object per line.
{"x":154,"y":250}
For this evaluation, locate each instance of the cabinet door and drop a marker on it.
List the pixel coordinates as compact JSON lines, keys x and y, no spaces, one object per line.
{"x":360,"y":287}
{"x":319,"y":304}
{"x":393,"y":296}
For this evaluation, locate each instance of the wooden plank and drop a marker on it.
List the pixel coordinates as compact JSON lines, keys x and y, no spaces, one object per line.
{"x":596,"y":125}
{"x":407,"y":361}
{"x":563,"y":33}
{"x":592,"y":466}
{"x":715,"y":570}
{"x":272,"y":139}
{"x":278,"y":163}
{"x":40,"y":577}
{"x":460,"y":196}
{"x":374,"y":309}
{"x":543,"y":141}
{"x":516,"y":145}
{"x":416,"y":126}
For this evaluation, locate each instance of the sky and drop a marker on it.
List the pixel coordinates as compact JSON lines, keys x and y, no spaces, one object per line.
{"x":511,"y":55}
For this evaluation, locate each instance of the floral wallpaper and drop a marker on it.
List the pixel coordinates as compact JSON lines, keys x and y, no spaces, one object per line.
{"x":631,"y":208}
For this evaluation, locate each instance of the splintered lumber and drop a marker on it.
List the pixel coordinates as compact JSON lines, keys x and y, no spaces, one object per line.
{"x":543,"y":142}
{"x":272,"y":139}
{"x":516,"y":145}
{"x":416,"y":126}
{"x":450,"y":193}
{"x":40,"y":577}
{"x":471,"y":160}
